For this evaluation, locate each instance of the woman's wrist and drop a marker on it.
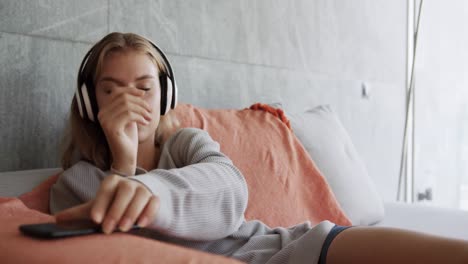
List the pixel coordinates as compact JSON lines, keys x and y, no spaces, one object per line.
{"x":123,"y":170}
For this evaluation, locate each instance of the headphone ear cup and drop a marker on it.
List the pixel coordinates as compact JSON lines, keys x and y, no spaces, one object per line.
{"x":87,"y":102}
{"x":79,"y":102}
{"x":174,"y":95}
{"x":163,"y":85}
{"x":169,"y":98}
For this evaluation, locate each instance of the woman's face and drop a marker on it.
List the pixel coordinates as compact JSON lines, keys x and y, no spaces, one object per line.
{"x":131,"y":69}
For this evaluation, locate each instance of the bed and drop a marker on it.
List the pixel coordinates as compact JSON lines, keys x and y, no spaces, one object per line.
{"x":314,"y":165}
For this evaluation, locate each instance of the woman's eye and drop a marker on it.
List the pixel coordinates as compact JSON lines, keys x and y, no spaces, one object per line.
{"x":145,"y":89}
{"x":106,"y":89}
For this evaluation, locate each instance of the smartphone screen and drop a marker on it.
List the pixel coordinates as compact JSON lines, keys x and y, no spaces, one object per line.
{"x":63,"y":229}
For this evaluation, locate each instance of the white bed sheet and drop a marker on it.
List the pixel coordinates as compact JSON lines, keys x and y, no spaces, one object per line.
{"x":433,"y":220}
{"x":15,"y":183}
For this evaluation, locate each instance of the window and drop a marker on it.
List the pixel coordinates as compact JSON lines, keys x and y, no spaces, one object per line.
{"x":440,"y":136}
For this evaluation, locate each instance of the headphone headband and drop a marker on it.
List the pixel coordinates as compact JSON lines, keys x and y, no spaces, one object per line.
{"x":86,"y":98}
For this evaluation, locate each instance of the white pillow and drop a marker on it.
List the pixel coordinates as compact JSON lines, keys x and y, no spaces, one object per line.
{"x":329,"y":145}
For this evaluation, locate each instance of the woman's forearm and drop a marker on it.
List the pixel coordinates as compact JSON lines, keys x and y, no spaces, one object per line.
{"x":199,"y":202}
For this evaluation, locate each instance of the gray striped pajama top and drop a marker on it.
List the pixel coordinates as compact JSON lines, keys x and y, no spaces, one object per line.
{"x":203,"y":197}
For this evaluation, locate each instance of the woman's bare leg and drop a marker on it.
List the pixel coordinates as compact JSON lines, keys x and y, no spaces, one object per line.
{"x":391,"y":245}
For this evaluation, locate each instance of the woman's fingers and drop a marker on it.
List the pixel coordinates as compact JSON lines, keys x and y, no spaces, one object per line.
{"x":119,"y":203}
{"x":149,"y":213}
{"x":133,"y":105}
{"x":129,"y":101}
{"x":138,"y":203}
{"x":104,"y":198}
{"x":122,"y":112}
{"x":123,"y":196}
{"x":125,"y":90}
{"x":120,"y":120}
{"x":74,"y":213}
{"x":127,"y":96}
{"x":126,"y":115}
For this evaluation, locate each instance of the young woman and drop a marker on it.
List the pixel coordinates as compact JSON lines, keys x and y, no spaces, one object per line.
{"x":127,"y":163}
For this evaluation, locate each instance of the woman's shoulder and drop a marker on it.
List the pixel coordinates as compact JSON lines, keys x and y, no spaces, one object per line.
{"x":188,"y":134}
{"x":81,"y":165}
{"x":190,"y":131}
{"x":190,"y":140}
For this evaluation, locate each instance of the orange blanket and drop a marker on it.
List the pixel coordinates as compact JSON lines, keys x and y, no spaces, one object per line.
{"x":99,"y":248}
{"x":285,"y":186}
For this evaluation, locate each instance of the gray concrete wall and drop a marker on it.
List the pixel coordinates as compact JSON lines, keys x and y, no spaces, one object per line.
{"x":226,"y":53}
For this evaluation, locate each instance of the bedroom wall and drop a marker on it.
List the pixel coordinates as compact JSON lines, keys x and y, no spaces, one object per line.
{"x":225,"y":53}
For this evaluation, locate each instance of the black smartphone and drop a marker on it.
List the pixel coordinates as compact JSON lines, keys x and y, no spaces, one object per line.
{"x":63,"y":229}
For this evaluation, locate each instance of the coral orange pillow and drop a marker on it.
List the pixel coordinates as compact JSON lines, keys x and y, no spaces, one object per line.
{"x":285,"y":186}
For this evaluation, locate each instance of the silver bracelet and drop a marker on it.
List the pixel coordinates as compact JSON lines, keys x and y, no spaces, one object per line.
{"x":118,"y":172}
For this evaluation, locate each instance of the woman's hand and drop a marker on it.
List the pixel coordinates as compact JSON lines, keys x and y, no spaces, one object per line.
{"x":119,"y":203}
{"x":118,"y":116}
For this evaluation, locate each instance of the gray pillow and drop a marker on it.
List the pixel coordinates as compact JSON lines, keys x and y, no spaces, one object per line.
{"x":329,"y":145}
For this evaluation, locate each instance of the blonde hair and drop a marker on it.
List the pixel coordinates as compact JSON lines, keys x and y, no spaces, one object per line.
{"x":84,"y":139}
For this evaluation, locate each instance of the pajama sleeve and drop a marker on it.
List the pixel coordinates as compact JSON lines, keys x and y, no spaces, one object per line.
{"x":204,"y":196}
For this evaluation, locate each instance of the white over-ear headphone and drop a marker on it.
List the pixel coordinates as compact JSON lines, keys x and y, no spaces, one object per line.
{"x":86,"y":97}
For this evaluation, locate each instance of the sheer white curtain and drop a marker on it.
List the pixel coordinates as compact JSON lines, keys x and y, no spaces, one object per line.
{"x":440,"y":141}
